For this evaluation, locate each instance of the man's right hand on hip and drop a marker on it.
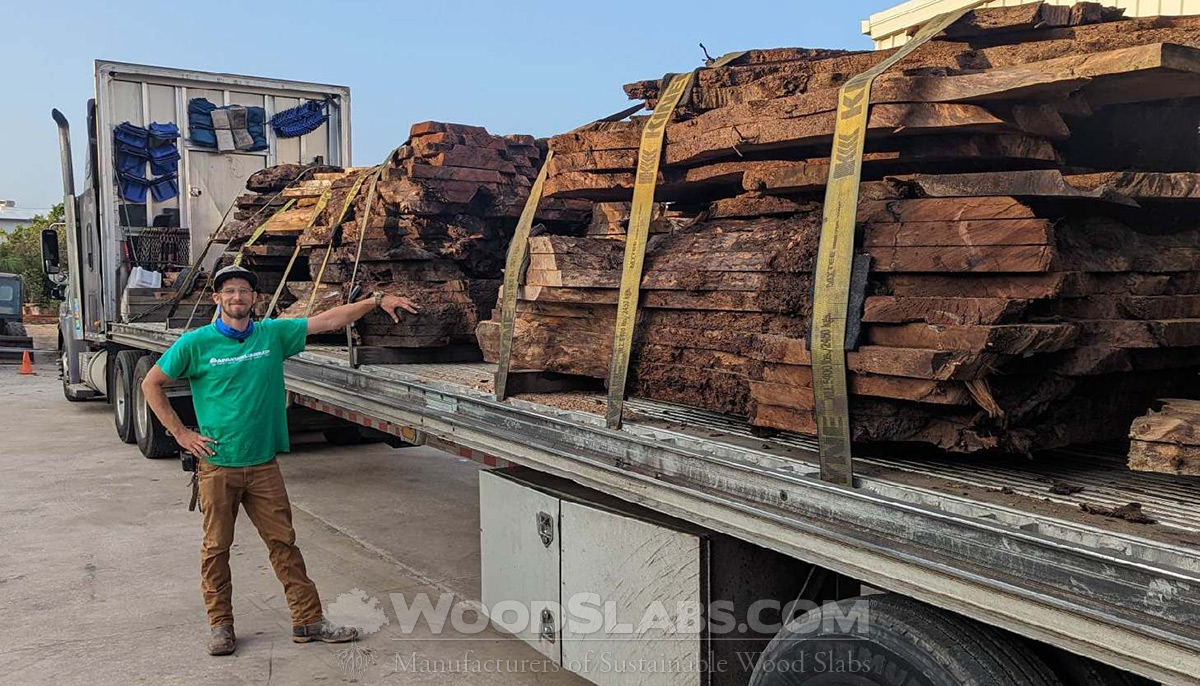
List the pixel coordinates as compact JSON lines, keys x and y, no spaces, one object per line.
{"x":194,"y":443}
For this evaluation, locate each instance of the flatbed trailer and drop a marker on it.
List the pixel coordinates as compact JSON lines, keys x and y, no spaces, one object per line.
{"x":984,"y":539}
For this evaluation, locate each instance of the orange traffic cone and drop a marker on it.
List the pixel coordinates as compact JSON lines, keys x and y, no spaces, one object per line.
{"x":26,"y":363}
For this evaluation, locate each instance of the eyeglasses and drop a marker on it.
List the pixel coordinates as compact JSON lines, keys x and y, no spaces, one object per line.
{"x":236,"y":291}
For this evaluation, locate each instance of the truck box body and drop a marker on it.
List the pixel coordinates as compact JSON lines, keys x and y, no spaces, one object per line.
{"x":208,"y":179}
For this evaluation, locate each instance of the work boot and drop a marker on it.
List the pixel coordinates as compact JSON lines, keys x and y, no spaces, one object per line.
{"x":222,"y":641}
{"x":324,"y":631}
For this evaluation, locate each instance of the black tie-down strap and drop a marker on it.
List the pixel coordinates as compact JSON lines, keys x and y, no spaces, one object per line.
{"x":191,"y":464}
{"x":195,"y":499}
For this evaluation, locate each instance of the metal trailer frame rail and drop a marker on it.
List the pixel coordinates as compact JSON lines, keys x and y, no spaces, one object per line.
{"x":1125,"y":601}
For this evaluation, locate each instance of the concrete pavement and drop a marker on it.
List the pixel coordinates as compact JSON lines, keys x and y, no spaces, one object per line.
{"x":99,"y":561}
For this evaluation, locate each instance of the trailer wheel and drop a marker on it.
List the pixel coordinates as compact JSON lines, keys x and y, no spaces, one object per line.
{"x":152,"y":437}
{"x":889,"y":639}
{"x":121,"y":393}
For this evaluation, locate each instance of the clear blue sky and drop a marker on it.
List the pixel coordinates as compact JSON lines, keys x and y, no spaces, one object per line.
{"x":514,"y":67}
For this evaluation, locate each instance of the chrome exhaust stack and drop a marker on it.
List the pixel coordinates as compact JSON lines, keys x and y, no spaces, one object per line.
{"x":70,"y":316}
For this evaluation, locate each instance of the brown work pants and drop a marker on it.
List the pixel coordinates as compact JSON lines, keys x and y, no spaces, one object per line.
{"x":260,"y":490}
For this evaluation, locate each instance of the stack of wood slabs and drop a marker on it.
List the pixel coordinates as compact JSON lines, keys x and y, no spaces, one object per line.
{"x":1167,"y":440}
{"x":155,"y":304}
{"x":268,"y":190}
{"x":1010,"y":41}
{"x":1034,"y":280}
{"x":443,"y":213}
{"x":282,"y":201}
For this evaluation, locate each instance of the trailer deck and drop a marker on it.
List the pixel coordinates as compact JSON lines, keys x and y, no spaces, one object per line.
{"x":985,"y":538}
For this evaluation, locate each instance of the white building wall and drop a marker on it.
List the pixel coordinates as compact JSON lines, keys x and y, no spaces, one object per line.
{"x":7,"y":225}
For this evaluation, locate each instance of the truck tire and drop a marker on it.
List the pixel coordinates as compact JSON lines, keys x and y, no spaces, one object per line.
{"x":894,"y":639}
{"x":121,"y":393}
{"x":152,"y":437}
{"x":16,"y":329}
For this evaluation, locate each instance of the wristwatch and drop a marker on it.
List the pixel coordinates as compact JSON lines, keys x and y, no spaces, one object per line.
{"x":378,"y":295}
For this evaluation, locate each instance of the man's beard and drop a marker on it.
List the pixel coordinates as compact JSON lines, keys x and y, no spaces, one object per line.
{"x":238,"y":310}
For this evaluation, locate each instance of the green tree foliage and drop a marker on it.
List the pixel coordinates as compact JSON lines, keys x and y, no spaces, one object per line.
{"x":21,"y":253}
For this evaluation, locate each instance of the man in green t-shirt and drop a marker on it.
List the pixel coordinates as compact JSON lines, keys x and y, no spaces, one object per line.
{"x":235,"y":367}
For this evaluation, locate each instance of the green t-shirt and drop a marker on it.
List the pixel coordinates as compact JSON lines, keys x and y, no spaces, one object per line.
{"x":237,"y":388}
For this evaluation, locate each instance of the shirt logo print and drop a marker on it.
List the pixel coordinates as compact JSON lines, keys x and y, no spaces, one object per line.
{"x":217,"y":361}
